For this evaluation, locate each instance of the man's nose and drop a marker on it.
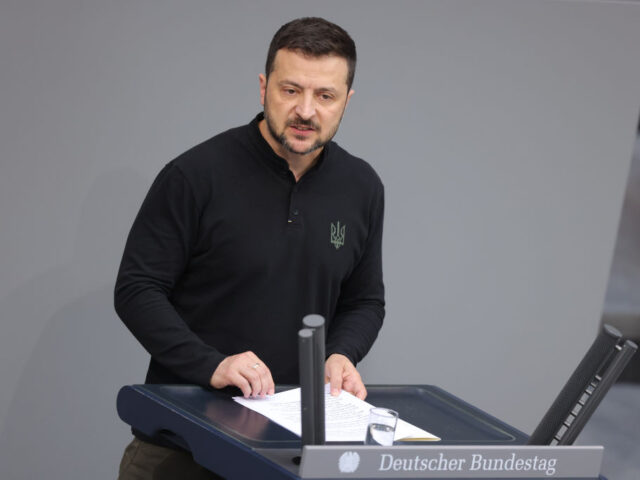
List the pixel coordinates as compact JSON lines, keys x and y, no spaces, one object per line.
{"x":305,"y":107}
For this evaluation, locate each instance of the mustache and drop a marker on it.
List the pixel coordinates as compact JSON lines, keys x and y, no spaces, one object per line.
{"x":301,"y":122}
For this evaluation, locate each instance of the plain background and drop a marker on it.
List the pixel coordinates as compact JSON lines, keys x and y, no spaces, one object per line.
{"x":502,"y":130}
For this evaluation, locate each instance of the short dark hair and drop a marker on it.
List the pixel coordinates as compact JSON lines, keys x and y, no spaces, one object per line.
{"x":315,"y":37}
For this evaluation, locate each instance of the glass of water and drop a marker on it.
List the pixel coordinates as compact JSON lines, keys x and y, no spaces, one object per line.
{"x":382,"y":426}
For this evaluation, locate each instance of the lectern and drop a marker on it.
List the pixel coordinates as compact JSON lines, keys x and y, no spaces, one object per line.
{"x":238,"y":443}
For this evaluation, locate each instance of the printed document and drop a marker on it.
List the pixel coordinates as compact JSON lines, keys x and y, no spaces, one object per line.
{"x":346,"y":416}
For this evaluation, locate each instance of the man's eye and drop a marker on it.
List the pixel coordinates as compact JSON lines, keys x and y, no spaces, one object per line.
{"x":326,"y":97}
{"x":289,"y":91}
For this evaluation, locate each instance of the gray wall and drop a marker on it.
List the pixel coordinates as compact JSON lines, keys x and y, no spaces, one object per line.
{"x":502,"y":130}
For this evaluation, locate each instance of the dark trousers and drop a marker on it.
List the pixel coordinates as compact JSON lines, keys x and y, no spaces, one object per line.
{"x":145,"y":461}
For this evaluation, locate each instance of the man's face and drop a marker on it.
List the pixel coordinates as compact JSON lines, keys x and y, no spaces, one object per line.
{"x":304,"y":100}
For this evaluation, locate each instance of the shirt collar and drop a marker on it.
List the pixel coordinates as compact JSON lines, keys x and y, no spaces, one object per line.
{"x":274,"y":160}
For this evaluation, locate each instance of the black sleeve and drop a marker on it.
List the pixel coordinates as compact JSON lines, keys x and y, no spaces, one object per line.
{"x":156,"y":253}
{"x":360,"y":308}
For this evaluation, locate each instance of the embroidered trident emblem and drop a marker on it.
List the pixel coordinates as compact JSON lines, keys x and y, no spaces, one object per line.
{"x":337,"y":235}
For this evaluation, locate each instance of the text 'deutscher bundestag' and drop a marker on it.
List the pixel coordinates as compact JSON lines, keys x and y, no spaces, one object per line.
{"x":355,"y":461}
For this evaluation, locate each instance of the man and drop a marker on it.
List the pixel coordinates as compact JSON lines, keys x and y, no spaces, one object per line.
{"x":246,"y":233}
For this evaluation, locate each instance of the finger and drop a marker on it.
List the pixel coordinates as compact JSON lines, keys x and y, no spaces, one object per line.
{"x":353,"y":384}
{"x":241,"y":382}
{"x":335,"y":379}
{"x":253,"y":377}
{"x":361,"y":392}
{"x":266,"y":379}
{"x":268,"y":386}
{"x":263,"y":379}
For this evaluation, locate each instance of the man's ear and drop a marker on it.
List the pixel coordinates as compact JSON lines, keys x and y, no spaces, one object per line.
{"x":351,"y":92}
{"x":263,"y":87}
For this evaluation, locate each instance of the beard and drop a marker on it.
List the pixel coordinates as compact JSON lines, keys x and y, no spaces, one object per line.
{"x":281,"y":138}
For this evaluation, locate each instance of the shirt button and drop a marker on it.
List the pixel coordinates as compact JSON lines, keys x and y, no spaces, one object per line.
{"x":295,"y":212}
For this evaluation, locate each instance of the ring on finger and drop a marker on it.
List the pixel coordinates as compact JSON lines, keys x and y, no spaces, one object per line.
{"x":255,"y":365}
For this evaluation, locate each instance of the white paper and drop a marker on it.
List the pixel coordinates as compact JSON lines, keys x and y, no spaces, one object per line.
{"x":346,"y":416}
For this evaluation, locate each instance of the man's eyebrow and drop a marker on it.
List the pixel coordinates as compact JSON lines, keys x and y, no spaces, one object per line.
{"x":284,"y":83}
{"x":327,"y":89}
{"x":291,"y":83}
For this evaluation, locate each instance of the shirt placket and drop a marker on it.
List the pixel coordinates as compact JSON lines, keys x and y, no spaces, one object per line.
{"x":295,"y":217}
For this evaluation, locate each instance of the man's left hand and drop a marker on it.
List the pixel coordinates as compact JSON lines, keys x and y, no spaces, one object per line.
{"x":342,"y":374}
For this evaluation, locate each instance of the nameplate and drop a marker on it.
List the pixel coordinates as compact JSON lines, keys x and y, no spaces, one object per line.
{"x":495,"y":461}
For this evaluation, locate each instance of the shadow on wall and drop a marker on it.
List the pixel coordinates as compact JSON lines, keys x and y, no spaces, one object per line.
{"x":66,"y":353}
{"x":622,"y":303}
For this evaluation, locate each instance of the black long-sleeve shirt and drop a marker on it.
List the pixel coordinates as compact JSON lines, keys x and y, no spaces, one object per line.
{"x":228,"y":253}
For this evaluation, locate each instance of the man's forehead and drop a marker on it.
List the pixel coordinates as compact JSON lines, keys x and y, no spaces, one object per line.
{"x":297,"y":61}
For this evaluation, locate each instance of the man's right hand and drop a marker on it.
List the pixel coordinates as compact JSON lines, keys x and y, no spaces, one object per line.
{"x":245,"y":371}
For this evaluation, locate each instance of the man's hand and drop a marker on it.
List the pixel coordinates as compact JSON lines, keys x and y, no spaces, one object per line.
{"x":245,"y":371}
{"x":339,"y":370}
